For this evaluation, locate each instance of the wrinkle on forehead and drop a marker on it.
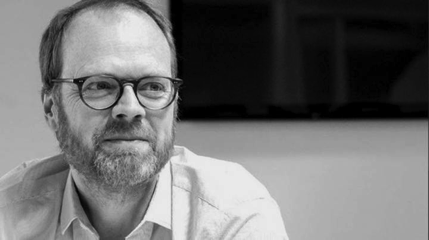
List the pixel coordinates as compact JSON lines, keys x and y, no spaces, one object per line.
{"x":100,"y":66}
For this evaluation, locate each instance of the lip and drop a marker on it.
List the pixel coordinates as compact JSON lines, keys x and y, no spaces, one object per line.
{"x":126,"y":143}
{"x":124,"y":138}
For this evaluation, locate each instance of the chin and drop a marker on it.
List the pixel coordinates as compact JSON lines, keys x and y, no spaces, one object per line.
{"x":119,"y":171}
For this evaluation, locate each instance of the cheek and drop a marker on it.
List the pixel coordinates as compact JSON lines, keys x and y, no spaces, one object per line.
{"x":83,"y":121}
{"x":162,"y":123}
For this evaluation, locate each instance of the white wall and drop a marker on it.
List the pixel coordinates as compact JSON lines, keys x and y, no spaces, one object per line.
{"x":333,"y":180}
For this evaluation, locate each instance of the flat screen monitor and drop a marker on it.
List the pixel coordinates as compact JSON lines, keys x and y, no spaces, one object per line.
{"x":306,"y":59}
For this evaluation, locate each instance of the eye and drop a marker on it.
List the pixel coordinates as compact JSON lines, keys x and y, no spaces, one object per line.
{"x":99,"y":85}
{"x":152,"y":87}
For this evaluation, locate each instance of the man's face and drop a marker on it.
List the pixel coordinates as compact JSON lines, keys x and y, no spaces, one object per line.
{"x":125,"y":145}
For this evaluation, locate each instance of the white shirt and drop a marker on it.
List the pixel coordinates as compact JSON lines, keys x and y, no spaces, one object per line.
{"x":195,"y":198}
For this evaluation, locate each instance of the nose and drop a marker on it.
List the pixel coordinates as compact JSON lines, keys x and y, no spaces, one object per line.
{"x":128,"y":107}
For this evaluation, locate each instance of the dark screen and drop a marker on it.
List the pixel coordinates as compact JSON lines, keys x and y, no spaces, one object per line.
{"x":260,"y":59}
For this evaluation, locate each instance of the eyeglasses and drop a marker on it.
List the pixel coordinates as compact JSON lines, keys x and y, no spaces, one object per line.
{"x":101,"y":92}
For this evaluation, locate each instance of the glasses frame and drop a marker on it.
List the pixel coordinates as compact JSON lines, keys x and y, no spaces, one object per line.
{"x":177,"y":82}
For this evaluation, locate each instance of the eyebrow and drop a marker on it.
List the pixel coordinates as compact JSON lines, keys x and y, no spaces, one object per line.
{"x":126,"y":77}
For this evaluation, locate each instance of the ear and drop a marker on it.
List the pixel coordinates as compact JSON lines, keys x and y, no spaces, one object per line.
{"x":51,"y":111}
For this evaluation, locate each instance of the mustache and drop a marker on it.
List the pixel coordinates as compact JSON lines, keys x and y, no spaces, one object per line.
{"x":138,"y":129}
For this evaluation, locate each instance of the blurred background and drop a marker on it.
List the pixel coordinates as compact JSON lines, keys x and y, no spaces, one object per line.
{"x":325,"y":102}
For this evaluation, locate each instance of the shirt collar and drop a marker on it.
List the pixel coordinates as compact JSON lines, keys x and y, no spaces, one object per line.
{"x":159,"y":209}
{"x":71,"y":208}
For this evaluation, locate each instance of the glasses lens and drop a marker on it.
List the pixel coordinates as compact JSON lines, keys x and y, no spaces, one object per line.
{"x":100,"y":91}
{"x":155,"y":92}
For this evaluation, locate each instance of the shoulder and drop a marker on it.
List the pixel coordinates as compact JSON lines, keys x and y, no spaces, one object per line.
{"x":222,"y":199}
{"x":33,"y":178}
{"x":31,"y":197}
{"x":220,"y":183}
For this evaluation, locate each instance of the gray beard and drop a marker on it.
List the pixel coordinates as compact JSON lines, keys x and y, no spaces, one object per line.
{"x":114,"y":171}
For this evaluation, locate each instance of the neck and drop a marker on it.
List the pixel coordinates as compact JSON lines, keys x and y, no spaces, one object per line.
{"x":113,"y":214}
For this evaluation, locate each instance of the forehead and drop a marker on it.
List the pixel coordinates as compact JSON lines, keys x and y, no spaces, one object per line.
{"x":100,"y":39}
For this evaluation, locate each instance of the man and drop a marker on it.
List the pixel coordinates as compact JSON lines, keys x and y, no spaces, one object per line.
{"x":110,"y":95}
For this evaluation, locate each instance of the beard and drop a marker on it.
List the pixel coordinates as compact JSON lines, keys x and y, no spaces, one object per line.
{"x":115,"y":170}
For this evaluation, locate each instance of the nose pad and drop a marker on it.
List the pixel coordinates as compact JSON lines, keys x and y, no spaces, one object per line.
{"x":128,"y":106}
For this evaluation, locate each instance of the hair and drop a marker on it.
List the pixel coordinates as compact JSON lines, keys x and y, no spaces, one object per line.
{"x":50,"y":52}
